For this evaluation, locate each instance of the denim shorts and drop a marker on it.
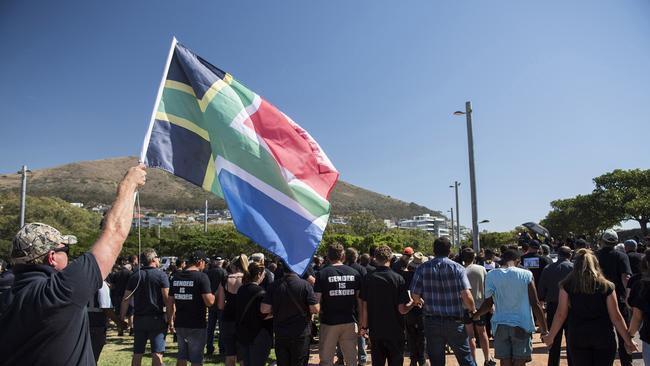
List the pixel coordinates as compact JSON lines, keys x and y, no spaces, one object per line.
{"x":512,"y":343}
{"x":191,"y":342}
{"x":149,"y":328}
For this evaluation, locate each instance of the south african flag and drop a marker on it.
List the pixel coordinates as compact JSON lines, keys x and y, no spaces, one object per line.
{"x":213,"y":131}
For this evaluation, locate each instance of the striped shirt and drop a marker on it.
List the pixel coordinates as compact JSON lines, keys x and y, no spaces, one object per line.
{"x":439,"y":282}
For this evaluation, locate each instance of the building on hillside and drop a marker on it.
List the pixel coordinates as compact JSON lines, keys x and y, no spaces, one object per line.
{"x":433,"y":224}
{"x":390,"y":224}
{"x":338,"y":220}
{"x":152,"y":221}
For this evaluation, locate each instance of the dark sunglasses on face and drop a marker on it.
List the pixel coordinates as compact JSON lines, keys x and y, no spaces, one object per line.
{"x":65,"y":249}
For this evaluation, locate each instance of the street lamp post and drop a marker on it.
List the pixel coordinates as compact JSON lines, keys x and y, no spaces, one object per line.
{"x":472,"y":175}
{"x":452,"y":227}
{"x":23,"y":193}
{"x":455,"y":186}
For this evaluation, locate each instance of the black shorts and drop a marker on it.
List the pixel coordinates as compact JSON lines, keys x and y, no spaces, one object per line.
{"x":480,"y":322}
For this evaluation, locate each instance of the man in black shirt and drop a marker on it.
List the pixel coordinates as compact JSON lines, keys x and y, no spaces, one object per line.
{"x":616,"y":268}
{"x":351,"y":257}
{"x":632,"y":255}
{"x":291,"y":300}
{"x":43,"y":318}
{"x":385,"y":299}
{"x":364,"y":261}
{"x":100,"y":309}
{"x":118,"y":281}
{"x":150,"y":288}
{"x":534,"y":262}
{"x":337,"y":288}
{"x":217,"y":276}
{"x":189,"y":295}
{"x":549,"y":292}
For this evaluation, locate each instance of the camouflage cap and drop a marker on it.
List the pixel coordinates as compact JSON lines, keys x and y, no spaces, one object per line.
{"x":34,"y":240}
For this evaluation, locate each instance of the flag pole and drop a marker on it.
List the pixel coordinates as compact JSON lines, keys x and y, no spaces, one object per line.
{"x":147,"y":137}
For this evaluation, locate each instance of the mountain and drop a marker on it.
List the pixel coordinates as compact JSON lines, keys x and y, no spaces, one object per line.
{"x":95,"y":182}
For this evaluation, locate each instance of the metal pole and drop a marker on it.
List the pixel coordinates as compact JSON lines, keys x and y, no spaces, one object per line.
{"x":23,"y":194}
{"x":472,"y":176}
{"x":456,"y":184}
{"x":452,"y":227}
{"x":205,"y":218}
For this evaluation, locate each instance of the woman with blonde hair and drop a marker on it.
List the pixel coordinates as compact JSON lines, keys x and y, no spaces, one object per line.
{"x":589,"y":302}
{"x":226,"y":301}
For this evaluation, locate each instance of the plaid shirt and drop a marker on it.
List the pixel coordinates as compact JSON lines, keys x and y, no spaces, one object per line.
{"x":439,"y":282}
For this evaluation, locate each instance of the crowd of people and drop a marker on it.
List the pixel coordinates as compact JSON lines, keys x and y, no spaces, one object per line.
{"x":397,"y":305}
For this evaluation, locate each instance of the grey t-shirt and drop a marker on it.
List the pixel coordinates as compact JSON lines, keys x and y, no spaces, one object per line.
{"x":476,"y":276}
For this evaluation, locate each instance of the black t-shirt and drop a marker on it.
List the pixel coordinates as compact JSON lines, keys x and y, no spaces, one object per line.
{"x":614,"y":264}
{"x":588,"y":320}
{"x":119,"y":281}
{"x":249,"y":319}
{"x":640,"y":299}
{"x":187,"y":288}
{"x":43,"y":320}
{"x":384,"y":290}
{"x":359,"y":268}
{"x":369,"y":268}
{"x":217,"y":276}
{"x":147,"y":298}
{"x":635,"y":260}
{"x":269,"y":277}
{"x":309,"y":272}
{"x":535,"y":263}
{"x":338,"y":285}
{"x":290,"y":298}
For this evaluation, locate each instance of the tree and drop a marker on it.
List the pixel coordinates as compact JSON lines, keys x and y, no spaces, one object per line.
{"x":51,"y":211}
{"x":629,"y":192}
{"x":364,"y":223}
{"x":584,"y":214}
{"x":496,"y":239}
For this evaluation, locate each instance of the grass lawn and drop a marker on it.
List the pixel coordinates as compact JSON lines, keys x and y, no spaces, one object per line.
{"x":118,"y":351}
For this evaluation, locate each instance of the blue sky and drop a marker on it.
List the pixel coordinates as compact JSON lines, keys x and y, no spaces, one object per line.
{"x":559,"y":89}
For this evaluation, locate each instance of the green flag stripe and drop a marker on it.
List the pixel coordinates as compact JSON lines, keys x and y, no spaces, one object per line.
{"x":234,"y":146}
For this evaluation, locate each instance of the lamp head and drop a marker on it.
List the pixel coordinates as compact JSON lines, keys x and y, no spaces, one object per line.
{"x":459,"y":113}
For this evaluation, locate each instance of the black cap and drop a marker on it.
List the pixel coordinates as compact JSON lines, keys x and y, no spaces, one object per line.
{"x":198,"y":255}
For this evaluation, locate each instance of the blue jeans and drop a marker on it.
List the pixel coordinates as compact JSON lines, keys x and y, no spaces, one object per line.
{"x":214,"y":318}
{"x":190,"y":344}
{"x":440,"y":331}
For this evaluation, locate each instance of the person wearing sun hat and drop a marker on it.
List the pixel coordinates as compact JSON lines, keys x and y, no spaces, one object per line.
{"x":43,"y":317}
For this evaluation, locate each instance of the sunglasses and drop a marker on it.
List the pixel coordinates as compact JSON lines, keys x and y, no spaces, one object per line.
{"x":65,"y":249}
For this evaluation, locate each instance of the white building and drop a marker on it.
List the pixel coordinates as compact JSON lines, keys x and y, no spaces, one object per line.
{"x":433,"y":224}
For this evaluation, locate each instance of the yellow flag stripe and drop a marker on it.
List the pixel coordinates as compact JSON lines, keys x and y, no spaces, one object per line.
{"x":210,"y":174}
{"x":182,"y":122}
{"x":209,"y":94}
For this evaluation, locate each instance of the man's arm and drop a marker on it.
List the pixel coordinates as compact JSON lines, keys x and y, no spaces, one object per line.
{"x":314,"y":309}
{"x":124,"y":306}
{"x":117,"y":222}
{"x":485,"y":308}
{"x":537,"y":307}
{"x":171,"y":312}
{"x":208,"y":299}
{"x":468,"y":300}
